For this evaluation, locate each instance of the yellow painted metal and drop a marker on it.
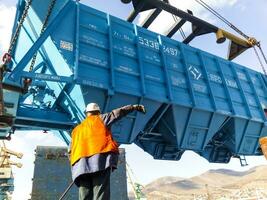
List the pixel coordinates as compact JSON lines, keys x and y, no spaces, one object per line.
{"x":245,"y":43}
{"x":237,"y":44}
{"x":263,"y":144}
{"x":220,"y":36}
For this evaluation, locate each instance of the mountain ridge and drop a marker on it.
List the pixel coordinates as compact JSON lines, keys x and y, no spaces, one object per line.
{"x":218,"y":183}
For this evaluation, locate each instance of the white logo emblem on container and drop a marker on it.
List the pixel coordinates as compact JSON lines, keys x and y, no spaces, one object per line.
{"x":194,"y":71}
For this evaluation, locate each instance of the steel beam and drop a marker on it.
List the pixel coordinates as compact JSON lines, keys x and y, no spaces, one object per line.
{"x":47,"y":77}
{"x":182,"y":14}
{"x":66,"y":89}
{"x":64,"y":137}
{"x":177,"y":25}
{"x":19,"y":10}
{"x":151,"y":17}
{"x":15,"y":74}
{"x":46,"y":119}
{"x":42,"y":50}
{"x":136,"y":11}
{"x":156,"y":118}
{"x":175,"y":28}
{"x":197,"y":31}
{"x":204,"y":26}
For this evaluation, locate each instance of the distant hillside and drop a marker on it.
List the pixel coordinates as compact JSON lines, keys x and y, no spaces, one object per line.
{"x":215,"y":184}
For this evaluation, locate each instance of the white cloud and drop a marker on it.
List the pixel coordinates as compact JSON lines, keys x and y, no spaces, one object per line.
{"x":6,"y":24}
{"x":165,"y":20}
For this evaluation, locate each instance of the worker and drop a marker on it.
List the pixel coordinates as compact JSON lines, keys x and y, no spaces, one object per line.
{"x":94,"y":153}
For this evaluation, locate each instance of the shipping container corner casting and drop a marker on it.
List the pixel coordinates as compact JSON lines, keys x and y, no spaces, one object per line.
{"x":194,"y":100}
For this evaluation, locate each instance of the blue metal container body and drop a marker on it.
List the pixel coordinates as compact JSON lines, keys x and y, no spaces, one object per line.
{"x":194,"y":100}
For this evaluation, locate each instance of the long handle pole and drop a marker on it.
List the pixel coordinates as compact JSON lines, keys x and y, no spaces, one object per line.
{"x":66,"y":191}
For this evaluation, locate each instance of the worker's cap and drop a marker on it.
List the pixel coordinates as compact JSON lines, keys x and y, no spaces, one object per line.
{"x":92,"y":107}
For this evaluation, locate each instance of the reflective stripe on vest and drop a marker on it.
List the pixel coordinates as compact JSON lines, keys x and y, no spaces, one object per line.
{"x":91,"y":137}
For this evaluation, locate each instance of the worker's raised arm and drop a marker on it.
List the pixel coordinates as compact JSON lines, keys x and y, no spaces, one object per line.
{"x":117,"y":114}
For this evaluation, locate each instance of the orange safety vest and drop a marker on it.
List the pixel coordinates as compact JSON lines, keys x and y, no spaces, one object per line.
{"x":91,"y":137}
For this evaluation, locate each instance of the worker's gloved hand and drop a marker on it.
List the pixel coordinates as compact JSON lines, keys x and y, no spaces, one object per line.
{"x":140,"y":108}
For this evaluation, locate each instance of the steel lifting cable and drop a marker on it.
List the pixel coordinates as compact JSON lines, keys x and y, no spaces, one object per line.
{"x":249,"y":39}
{"x":28,"y":81}
{"x":214,"y":12}
{"x":262,"y":66}
{"x":262,"y":53}
{"x":7,"y":56}
{"x":49,"y":11}
{"x":180,"y":29}
{"x":17,"y":31}
{"x":182,"y":33}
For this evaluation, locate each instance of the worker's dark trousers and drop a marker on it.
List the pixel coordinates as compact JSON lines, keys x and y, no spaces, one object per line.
{"x":95,"y":186}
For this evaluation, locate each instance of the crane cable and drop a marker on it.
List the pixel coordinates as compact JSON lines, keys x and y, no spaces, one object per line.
{"x":20,"y":24}
{"x":7,"y":56}
{"x":249,"y":39}
{"x":180,"y":29}
{"x":262,"y":53}
{"x":264,"y":58}
{"x":45,"y":22}
{"x":257,"y":54}
{"x":214,"y":12}
{"x":28,"y":81}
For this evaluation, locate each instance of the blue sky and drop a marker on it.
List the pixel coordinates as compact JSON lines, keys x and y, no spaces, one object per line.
{"x":249,"y":16}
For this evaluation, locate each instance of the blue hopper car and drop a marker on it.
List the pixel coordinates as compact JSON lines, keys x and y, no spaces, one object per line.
{"x":194,"y":100}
